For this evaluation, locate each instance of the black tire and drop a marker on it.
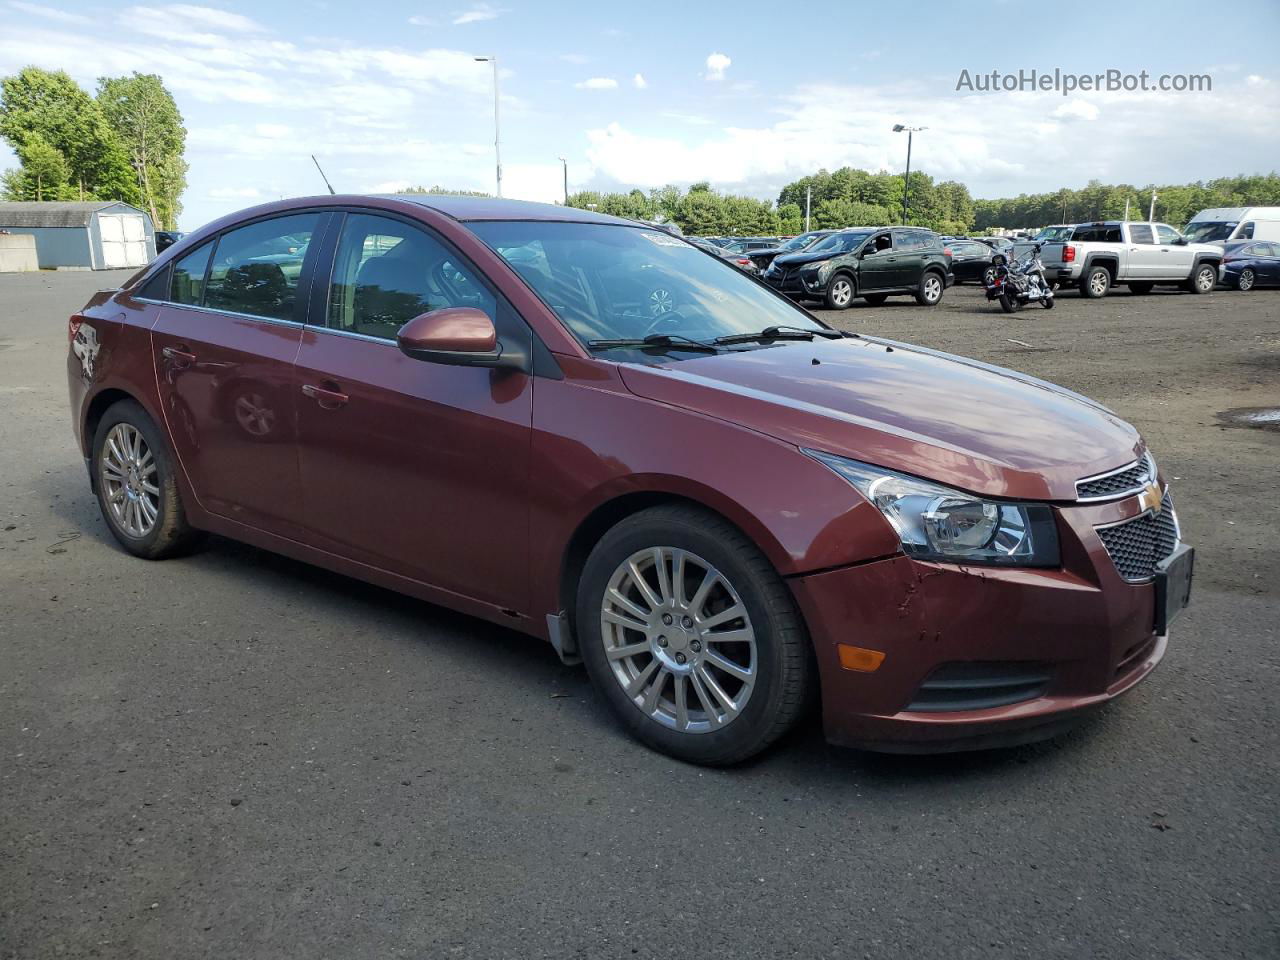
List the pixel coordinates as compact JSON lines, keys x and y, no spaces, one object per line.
{"x":932,"y":286}
{"x":169,"y":533}
{"x":1048,"y":302}
{"x":1095,"y":283}
{"x":1141,"y":289}
{"x":784,"y":664}
{"x":1203,"y":278}
{"x":840,"y":292}
{"x":1245,"y":280}
{"x":876,"y":299}
{"x":1007,"y":303}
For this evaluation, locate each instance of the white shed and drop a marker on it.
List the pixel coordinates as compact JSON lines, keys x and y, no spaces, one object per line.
{"x":86,"y":235}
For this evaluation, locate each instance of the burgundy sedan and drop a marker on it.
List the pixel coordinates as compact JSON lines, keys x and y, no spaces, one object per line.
{"x":596,"y":433}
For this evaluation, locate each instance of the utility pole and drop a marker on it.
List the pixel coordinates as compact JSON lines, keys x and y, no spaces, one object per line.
{"x":1126,"y":209}
{"x":1151,"y":217}
{"x":565,"y":163}
{"x":808,"y":202}
{"x":906,"y":183}
{"x":497,"y":138}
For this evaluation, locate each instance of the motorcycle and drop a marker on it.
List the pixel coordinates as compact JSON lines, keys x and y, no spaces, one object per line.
{"x":1020,"y":282}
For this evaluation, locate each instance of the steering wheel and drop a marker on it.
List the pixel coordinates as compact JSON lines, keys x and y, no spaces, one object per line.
{"x":660,"y":305}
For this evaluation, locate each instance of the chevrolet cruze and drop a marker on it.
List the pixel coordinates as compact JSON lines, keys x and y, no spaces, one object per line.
{"x":596,"y":433}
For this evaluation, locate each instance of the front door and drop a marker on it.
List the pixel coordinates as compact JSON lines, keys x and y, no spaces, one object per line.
{"x":224,"y":346}
{"x":878,"y":265}
{"x":1176,"y":258}
{"x":413,"y":467}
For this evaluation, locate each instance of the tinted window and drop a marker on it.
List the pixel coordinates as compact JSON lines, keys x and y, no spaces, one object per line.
{"x":387,"y":272}
{"x":188,"y":277}
{"x":613,"y":282}
{"x":1246,"y":232}
{"x":256,"y":268}
{"x":1141,"y":233}
{"x":157,"y":288}
{"x":1101,"y":233}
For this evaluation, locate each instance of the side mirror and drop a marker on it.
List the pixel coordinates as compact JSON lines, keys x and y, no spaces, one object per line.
{"x":459,"y":336}
{"x":1181,"y":241}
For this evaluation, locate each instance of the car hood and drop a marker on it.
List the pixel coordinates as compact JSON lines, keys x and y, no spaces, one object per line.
{"x":798,"y":259}
{"x":956,"y":421}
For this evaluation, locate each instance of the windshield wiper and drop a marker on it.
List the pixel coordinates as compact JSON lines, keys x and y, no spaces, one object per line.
{"x":781,"y":332}
{"x":676,"y":341}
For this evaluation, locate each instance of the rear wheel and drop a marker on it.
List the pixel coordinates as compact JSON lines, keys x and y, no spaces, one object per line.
{"x":839,"y":293}
{"x":1204,"y":279}
{"x":691,"y":636}
{"x":137,"y":491}
{"x":1245,"y":280}
{"x":930,"y":291}
{"x":1141,"y":288}
{"x":1096,"y":283}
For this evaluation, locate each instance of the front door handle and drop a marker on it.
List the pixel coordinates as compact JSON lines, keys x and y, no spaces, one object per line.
{"x":329,"y":396}
{"x":178,"y":355}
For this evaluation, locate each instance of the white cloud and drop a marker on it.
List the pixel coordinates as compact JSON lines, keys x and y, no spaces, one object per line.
{"x":272,"y":131}
{"x":1254,"y":80}
{"x":639,"y":82}
{"x":477,"y":13}
{"x":1077,"y":109}
{"x":49,"y":13}
{"x":598,"y":83}
{"x":717,"y":64}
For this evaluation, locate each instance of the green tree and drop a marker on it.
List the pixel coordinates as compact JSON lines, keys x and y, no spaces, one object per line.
{"x":790,"y":218}
{"x":149,"y":125}
{"x":53,"y":106}
{"x":44,"y":169}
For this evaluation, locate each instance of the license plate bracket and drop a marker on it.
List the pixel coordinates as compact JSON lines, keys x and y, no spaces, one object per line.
{"x":1173,"y":585}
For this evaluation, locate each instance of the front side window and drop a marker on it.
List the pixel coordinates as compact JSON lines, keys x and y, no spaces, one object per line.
{"x":878,"y":244}
{"x":1246,"y":232}
{"x":838,"y":243}
{"x":256,"y":268}
{"x":1141,"y":233}
{"x":609,"y":282}
{"x":187,"y":285}
{"x":387,"y":272}
{"x":1167,"y":234}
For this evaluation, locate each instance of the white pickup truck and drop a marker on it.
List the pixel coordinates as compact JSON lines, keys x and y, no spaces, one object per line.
{"x":1100,"y":255}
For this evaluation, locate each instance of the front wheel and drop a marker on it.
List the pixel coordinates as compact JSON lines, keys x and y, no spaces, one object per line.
{"x":691,"y":636}
{"x":1007,"y":303}
{"x":839,"y":293}
{"x":137,"y":491}
{"x":1204,"y":279}
{"x":989,"y":276}
{"x":930,"y":292}
{"x":1048,"y":303}
{"x":1246,"y":280}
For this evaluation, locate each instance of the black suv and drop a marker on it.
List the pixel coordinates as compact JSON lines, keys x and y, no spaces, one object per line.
{"x":868,"y":262}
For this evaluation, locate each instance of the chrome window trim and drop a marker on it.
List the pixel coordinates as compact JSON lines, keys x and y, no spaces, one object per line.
{"x":221,"y":313}
{"x":352,"y":334}
{"x":1119,"y":494}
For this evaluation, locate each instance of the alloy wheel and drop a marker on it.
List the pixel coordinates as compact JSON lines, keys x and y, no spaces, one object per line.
{"x":130,"y":482}
{"x":679,"y":640}
{"x":1245,"y":282}
{"x":932,"y":288}
{"x":1098,"y":283}
{"x":841,"y":292}
{"x":1206,"y":279}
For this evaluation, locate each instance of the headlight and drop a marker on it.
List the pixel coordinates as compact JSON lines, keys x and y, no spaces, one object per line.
{"x":937,"y":523}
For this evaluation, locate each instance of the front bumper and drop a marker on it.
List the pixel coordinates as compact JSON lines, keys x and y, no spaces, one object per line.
{"x":1085,"y":633}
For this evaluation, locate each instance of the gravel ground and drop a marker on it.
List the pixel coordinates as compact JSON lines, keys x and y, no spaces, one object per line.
{"x":233,"y":754}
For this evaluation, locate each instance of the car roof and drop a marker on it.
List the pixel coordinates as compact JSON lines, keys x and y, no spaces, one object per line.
{"x":501,"y":208}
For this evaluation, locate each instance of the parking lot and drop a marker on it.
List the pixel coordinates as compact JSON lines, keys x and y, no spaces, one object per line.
{"x":233,"y":754}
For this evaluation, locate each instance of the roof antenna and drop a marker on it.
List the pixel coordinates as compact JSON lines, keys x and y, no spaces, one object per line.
{"x":322,"y":176}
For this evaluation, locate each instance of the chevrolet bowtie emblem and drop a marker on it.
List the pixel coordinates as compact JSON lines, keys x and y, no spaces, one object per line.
{"x":1150,"y":499}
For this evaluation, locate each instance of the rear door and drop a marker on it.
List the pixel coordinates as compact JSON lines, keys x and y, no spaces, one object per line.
{"x":1144,"y":255}
{"x":910,"y":247}
{"x":412,"y":467}
{"x":224,"y":348}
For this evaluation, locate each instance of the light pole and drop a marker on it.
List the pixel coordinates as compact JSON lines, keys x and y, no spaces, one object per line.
{"x":906,"y":183}
{"x":565,"y":163}
{"x":497,"y":138}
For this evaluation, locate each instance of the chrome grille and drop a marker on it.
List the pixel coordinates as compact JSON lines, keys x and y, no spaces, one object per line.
{"x":1118,"y":483}
{"x":1137,"y":545}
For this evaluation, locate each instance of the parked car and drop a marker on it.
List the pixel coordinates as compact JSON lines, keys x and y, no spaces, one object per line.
{"x":1055,"y":233}
{"x":541,"y":416}
{"x":762,"y":258}
{"x":998,"y":244}
{"x":1250,"y":264}
{"x":1101,"y":255}
{"x":166,"y":239}
{"x":971,"y":260}
{"x":1224,"y":224}
{"x":873,"y":263}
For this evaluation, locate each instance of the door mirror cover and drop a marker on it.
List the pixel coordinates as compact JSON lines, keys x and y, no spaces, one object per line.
{"x":461,"y":336}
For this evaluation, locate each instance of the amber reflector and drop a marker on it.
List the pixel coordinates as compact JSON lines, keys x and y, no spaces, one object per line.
{"x":859,"y":658}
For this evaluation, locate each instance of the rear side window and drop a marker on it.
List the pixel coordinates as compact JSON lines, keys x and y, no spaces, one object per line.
{"x":1099,"y":233}
{"x":1261,"y":250}
{"x":157,"y":288}
{"x":1141,"y":233}
{"x":188,"y":277}
{"x":256,"y":268}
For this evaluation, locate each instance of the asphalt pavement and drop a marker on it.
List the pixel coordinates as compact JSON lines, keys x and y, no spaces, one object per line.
{"x":236,"y":755}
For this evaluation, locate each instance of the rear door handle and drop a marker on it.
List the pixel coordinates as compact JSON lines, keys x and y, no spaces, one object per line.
{"x":178,"y":355}
{"x":330,"y":396}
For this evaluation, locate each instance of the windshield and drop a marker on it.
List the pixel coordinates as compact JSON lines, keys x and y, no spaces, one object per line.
{"x":840,"y":242}
{"x":1207,"y":231}
{"x":610,"y":282}
{"x":800,"y":242}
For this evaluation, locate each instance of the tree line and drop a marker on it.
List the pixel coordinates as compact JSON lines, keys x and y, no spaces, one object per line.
{"x":854,"y":198}
{"x":124,"y":143}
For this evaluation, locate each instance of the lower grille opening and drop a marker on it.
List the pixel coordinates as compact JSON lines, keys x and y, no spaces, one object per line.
{"x":1133,"y":655}
{"x":979,"y":686}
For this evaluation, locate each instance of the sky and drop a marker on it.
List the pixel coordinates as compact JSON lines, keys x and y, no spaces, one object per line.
{"x":389,"y":94}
